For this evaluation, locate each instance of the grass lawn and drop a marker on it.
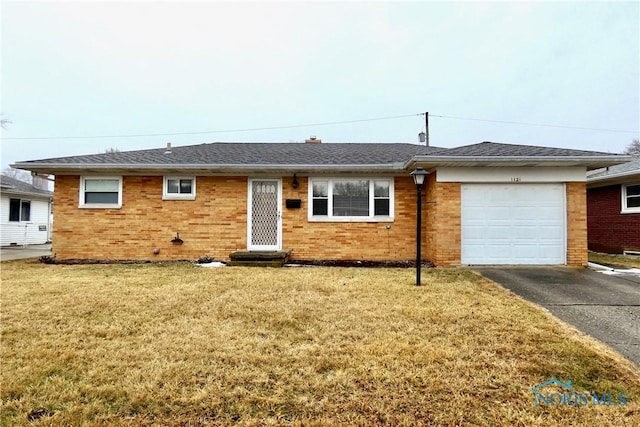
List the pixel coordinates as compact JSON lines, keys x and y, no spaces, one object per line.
{"x":615,"y":260}
{"x":179,"y":345}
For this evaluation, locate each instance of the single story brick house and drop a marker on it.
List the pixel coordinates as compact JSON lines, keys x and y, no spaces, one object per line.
{"x":25,"y":211}
{"x":613,"y":208}
{"x":486,"y":203}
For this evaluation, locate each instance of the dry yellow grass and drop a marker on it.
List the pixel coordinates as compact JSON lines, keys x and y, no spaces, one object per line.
{"x":179,"y":345}
{"x":615,"y":260}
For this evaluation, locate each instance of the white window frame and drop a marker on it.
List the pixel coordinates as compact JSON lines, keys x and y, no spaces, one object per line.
{"x":626,"y":209}
{"x":178,"y":196}
{"x":83,"y":205}
{"x":21,"y":203}
{"x":370,"y":218}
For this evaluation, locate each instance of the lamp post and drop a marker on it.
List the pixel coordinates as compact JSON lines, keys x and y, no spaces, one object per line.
{"x":419,"y":176}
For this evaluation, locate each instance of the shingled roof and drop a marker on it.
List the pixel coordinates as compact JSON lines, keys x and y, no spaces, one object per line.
{"x":498,"y":154}
{"x":618,"y":173}
{"x":300,"y":157}
{"x":495,"y":149}
{"x":15,"y":186}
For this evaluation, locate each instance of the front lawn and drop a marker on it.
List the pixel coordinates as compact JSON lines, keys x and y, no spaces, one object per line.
{"x":178,"y":345}
{"x":625,"y":261}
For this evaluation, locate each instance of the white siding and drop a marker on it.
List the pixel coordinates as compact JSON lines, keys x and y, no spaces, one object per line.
{"x":512,"y":174}
{"x":24,"y":233}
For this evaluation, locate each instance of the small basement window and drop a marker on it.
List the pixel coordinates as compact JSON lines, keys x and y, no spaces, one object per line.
{"x":631,"y":198}
{"x":101,"y":192}
{"x":179,"y":188}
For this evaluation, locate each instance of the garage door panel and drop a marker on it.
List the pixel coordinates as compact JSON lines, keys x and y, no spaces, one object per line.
{"x":513,"y":224}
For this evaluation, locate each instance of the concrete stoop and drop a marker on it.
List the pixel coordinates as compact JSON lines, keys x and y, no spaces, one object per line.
{"x":259,"y":258}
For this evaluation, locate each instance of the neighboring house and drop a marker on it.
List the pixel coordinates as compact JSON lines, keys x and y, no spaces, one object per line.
{"x":485,"y":203}
{"x":25,"y":212}
{"x":613,"y":208}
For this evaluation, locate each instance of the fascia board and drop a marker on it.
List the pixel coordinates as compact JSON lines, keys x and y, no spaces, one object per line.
{"x":613,"y":176}
{"x":211,"y":168}
{"x":601,"y":161}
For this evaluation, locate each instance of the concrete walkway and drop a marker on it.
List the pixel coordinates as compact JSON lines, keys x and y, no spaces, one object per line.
{"x":607,"y":307}
{"x":8,"y":253}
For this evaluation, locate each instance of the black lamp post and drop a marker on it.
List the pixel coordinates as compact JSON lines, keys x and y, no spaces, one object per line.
{"x":419,"y":176}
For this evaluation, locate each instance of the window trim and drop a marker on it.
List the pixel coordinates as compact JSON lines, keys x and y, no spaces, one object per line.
{"x":370,"y":218}
{"x":623,"y":193}
{"x":21,"y":203}
{"x":83,"y":205}
{"x":178,"y":196}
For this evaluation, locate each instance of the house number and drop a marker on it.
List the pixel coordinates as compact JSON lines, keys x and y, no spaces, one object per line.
{"x":515,"y":179}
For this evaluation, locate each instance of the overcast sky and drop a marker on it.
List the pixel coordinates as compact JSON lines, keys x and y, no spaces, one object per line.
{"x":119,"y":68}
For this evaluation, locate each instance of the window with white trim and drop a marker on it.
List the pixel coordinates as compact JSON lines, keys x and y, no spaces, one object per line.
{"x":179,"y":188}
{"x":19,"y":210}
{"x":351,"y":199}
{"x":101,"y":192}
{"x":631,"y":198}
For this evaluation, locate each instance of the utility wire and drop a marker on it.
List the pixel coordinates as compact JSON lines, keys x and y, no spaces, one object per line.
{"x":315,"y":124}
{"x":219,"y":131}
{"x":532,"y":124}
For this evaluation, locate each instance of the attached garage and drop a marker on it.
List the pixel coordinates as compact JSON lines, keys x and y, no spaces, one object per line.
{"x":513,"y":223}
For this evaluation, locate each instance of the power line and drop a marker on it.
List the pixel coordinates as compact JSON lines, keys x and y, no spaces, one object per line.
{"x":316,"y":124}
{"x":533,"y":124}
{"x":218,"y":131}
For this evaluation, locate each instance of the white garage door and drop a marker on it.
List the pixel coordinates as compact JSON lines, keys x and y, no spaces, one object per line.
{"x":513,"y":223}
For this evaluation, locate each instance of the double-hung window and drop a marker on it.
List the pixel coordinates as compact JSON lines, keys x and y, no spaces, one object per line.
{"x":19,"y":210}
{"x":179,"y":188}
{"x":631,"y":198}
{"x":101,"y":192}
{"x":351,"y":199}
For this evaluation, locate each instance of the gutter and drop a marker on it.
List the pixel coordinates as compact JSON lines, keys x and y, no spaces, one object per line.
{"x":213,"y":168}
{"x":580,"y":160}
{"x":614,"y":176}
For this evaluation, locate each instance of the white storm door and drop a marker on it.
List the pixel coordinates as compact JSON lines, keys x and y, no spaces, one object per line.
{"x":265,"y":219}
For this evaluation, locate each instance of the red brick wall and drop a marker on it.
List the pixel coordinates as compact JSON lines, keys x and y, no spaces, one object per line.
{"x":609,"y":230}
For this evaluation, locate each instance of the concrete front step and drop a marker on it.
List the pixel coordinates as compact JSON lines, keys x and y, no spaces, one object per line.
{"x":259,"y":258}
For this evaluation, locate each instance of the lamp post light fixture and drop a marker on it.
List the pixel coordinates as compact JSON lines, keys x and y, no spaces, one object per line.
{"x":419,"y":176}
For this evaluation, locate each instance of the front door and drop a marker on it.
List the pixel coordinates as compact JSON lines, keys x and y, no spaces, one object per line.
{"x":265,"y":219}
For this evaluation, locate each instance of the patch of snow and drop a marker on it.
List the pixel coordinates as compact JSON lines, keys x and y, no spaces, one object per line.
{"x":614,"y":271}
{"x":212,"y":264}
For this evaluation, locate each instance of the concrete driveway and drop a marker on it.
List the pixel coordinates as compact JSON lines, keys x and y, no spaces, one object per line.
{"x":21,"y":252}
{"x":606,"y":307}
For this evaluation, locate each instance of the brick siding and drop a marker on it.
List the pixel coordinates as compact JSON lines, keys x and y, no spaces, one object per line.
{"x":608,"y":230}
{"x":215,"y":224}
{"x":576,"y":224}
{"x":443,"y":222}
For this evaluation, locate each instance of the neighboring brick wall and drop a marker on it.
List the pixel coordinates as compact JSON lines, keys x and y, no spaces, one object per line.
{"x":576,"y":224}
{"x":215,"y":224}
{"x":443,"y":222}
{"x":608,"y":230}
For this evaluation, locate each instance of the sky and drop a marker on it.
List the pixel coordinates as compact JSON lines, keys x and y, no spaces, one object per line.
{"x":81,"y":77}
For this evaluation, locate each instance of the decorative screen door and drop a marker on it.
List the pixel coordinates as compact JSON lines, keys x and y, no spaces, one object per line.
{"x":264,"y":225}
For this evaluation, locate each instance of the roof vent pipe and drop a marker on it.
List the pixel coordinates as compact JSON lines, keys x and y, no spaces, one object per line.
{"x":312,"y":140}
{"x":168,"y":149}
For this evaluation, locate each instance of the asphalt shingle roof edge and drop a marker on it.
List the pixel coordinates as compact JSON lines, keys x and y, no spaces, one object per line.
{"x":328,"y":156}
